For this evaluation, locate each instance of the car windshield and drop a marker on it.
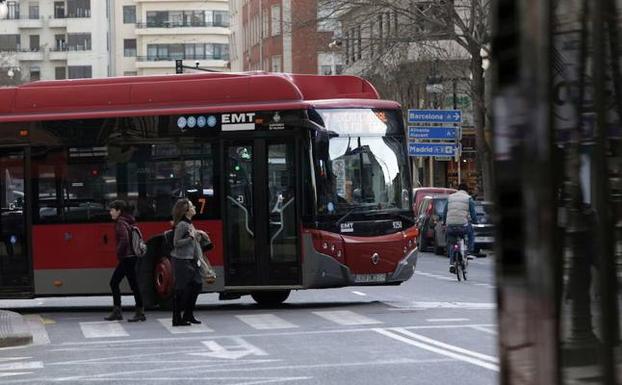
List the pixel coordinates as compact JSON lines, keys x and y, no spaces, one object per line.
{"x":484,"y":212}
{"x":439,"y":206}
{"x":361,"y":168}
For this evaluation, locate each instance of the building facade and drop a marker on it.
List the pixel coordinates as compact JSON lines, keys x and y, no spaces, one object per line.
{"x":283,"y":36}
{"x":149,"y":35}
{"x":71,"y":39}
{"x":54,"y":40}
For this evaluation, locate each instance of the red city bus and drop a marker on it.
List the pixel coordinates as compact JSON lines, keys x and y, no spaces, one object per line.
{"x":301,"y":180}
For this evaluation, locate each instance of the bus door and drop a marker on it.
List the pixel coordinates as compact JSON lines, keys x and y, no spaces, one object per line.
{"x":15,"y":260}
{"x":261,"y":215}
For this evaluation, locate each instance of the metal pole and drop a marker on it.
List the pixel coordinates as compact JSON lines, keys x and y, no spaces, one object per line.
{"x":432,"y":161}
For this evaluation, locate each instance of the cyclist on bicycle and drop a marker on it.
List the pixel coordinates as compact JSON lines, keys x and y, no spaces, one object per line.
{"x":459,"y":215}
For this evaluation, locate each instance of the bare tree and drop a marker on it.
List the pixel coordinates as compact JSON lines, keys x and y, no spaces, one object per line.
{"x":394,"y":42}
{"x":10,"y":74}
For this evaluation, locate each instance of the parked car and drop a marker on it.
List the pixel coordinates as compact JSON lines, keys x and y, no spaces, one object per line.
{"x":429,"y":223}
{"x":422,"y":192}
{"x":484,"y":229}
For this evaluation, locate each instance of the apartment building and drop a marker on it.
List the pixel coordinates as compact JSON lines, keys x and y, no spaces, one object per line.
{"x":54,"y":40}
{"x":283,"y":36}
{"x":149,"y":35}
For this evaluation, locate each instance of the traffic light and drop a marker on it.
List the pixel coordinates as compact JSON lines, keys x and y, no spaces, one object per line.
{"x":179,"y":66}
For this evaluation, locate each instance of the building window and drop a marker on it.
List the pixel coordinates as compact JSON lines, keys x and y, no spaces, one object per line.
{"x":78,"y":8}
{"x":61,"y":44}
{"x":130,"y":73}
{"x":13,"y":8}
{"x":326,"y":70}
{"x":266,"y":23}
{"x":275,"y":63}
{"x":34,"y":43}
{"x":80,"y":72}
{"x":129,"y":47}
{"x":129,"y":14}
{"x":221,"y":19}
{"x":35,"y":73}
{"x":59,"y":9}
{"x":9,"y":42}
{"x":276,"y":20}
{"x":79,"y":42}
{"x":60,"y":73}
{"x":33,"y":10}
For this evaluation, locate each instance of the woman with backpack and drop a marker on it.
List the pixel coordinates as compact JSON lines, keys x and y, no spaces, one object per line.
{"x":126,"y":266}
{"x":186,"y":257}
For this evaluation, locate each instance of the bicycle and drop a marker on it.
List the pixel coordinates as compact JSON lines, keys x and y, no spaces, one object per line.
{"x":461,"y":260}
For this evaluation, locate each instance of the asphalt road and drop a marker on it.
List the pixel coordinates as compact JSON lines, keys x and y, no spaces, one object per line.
{"x":430,"y":330}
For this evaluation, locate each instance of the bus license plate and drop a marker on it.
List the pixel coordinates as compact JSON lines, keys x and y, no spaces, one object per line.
{"x":484,"y":239}
{"x":362,"y":278}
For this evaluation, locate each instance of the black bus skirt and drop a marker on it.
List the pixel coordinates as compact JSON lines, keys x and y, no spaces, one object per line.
{"x":186,"y":272}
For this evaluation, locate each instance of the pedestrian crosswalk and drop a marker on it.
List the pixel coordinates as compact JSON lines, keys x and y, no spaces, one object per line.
{"x":211,"y":323}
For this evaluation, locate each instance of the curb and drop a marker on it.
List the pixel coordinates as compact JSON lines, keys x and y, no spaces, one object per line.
{"x":14,"y":330}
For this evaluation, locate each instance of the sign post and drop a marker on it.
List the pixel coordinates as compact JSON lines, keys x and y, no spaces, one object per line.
{"x":435,"y":134}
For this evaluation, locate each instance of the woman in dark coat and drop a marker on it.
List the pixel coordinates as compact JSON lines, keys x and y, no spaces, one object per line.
{"x":185,"y":254}
{"x":126,"y":266}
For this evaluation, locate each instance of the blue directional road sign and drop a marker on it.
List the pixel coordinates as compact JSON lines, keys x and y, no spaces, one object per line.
{"x":446,"y":133}
{"x":434,"y":116}
{"x":432,"y":149}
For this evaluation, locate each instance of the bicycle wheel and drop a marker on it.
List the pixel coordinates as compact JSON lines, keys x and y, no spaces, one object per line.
{"x":458,"y":265}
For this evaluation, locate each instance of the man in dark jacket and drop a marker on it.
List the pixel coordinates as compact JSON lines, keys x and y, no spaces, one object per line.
{"x":126,"y":266}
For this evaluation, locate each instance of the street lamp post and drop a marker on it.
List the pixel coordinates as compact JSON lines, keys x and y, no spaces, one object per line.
{"x":434,"y":86}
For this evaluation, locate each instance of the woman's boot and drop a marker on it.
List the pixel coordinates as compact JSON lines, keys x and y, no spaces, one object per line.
{"x":189,"y":311}
{"x":139,"y":315}
{"x":177,"y":302}
{"x":115,"y":315}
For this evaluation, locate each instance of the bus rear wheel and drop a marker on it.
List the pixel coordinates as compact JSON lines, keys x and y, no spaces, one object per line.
{"x":270,"y":298}
{"x":164,"y":282}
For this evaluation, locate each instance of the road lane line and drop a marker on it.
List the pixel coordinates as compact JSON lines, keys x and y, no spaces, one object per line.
{"x":447,"y":319}
{"x":115,"y":343}
{"x":484,"y":329}
{"x":446,"y":346}
{"x":359,"y":293}
{"x":193,"y":328}
{"x":102,"y":329}
{"x":346,"y":318}
{"x":265,"y":322}
{"x":438,"y":350}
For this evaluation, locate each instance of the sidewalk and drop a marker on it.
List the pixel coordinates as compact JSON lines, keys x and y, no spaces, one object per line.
{"x":14,"y":330}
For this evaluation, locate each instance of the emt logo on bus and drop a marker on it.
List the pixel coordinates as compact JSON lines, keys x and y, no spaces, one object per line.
{"x":238,"y":122}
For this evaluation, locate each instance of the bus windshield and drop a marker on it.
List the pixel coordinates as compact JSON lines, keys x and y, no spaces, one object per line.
{"x":361,"y":162}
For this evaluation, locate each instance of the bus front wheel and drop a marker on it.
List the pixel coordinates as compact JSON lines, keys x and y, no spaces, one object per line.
{"x":270,"y":298}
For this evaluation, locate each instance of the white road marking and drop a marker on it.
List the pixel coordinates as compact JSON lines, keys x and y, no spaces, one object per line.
{"x":265,"y":322}
{"x":246,"y":380}
{"x":102,"y":329}
{"x":346,"y":317}
{"x":359,"y":293}
{"x":241,"y":348}
{"x":484,"y":329}
{"x":444,"y":345}
{"x":435,"y":349}
{"x":447,"y":319}
{"x":37,"y":328}
{"x":22,"y":365}
{"x":422,"y":305}
{"x":11,"y":364}
{"x":201,"y":328}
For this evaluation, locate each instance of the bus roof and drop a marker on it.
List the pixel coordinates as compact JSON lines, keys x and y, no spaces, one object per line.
{"x":183,"y":93}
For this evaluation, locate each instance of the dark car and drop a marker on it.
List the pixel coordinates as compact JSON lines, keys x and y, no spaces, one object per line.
{"x":429,"y":218}
{"x":484,"y":229}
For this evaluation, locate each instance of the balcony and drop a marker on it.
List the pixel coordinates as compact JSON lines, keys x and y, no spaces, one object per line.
{"x":30,"y":23}
{"x":30,"y":55}
{"x":185,"y":28}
